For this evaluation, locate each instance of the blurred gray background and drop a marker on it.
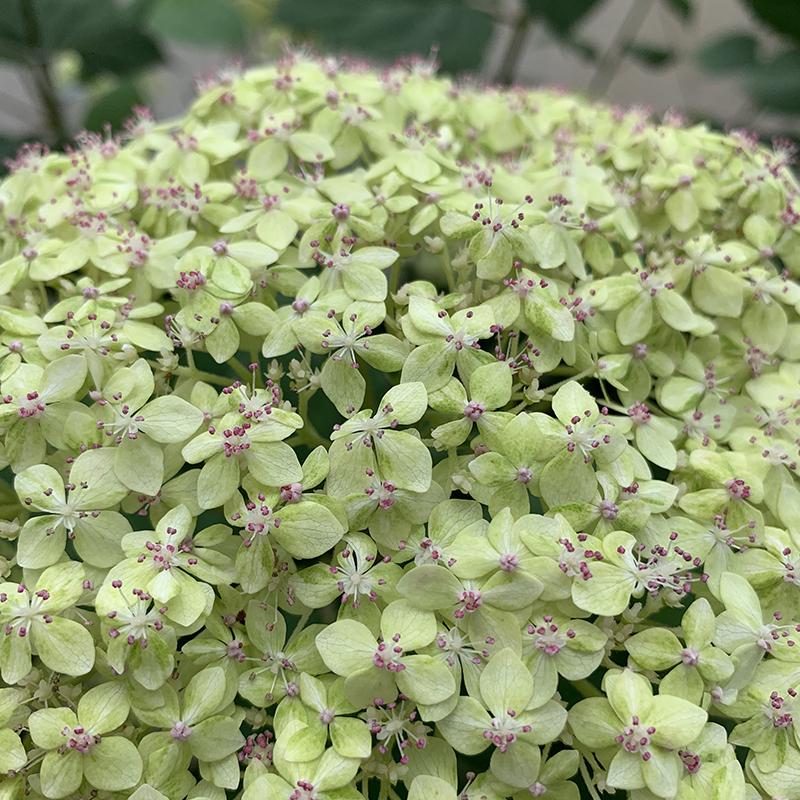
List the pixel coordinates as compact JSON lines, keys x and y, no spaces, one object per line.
{"x":733,"y":62}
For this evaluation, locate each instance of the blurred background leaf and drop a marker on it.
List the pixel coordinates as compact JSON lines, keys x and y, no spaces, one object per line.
{"x":561,"y":16}
{"x":387,"y":30}
{"x":88,"y":63}
{"x":729,"y":53}
{"x":783,"y":16}
{"x":648,"y":54}
{"x":113,"y":107}
{"x":682,"y":8}
{"x":205,"y":22}
{"x":775,"y":83}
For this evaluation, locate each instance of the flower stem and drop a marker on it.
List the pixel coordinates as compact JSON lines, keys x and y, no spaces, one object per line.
{"x":587,"y":779}
{"x":551,"y":390}
{"x":587,"y":689}
{"x":207,"y":377}
{"x":448,"y":269}
{"x":308,"y":434}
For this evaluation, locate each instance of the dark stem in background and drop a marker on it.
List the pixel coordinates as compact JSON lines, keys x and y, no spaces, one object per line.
{"x":508,"y":67}
{"x":614,"y":55}
{"x":42,"y":78}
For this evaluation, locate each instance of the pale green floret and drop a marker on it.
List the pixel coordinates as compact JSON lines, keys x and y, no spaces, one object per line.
{"x":360,"y":423}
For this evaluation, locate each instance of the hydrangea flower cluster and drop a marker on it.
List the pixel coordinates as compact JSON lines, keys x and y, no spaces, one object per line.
{"x":369,"y":436}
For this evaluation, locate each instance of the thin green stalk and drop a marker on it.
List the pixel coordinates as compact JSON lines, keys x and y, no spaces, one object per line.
{"x":589,"y":783}
{"x":587,"y":689}
{"x":448,"y":269}
{"x":190,"y":359}
{"x":241,"y":370}
{"x":308,"y":434}
{"x":207,"y":377}
{"x":551,"y":390}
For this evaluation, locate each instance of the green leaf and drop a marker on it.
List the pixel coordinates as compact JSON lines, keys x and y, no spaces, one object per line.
{"x":683,"y":8}
{"x":775,"y":83}
{"x":732,"y":52}
{"x":123,"y":49}
{"x":113,"y":107}
{"x":649,"y":55}
{"x":780,"y":15}
{"x":206,"y":22}
{"x":387,"y":30}
{"x":561,"y":18}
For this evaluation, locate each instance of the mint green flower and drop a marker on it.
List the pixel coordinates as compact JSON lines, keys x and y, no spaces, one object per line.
{"x":641,"y":733}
